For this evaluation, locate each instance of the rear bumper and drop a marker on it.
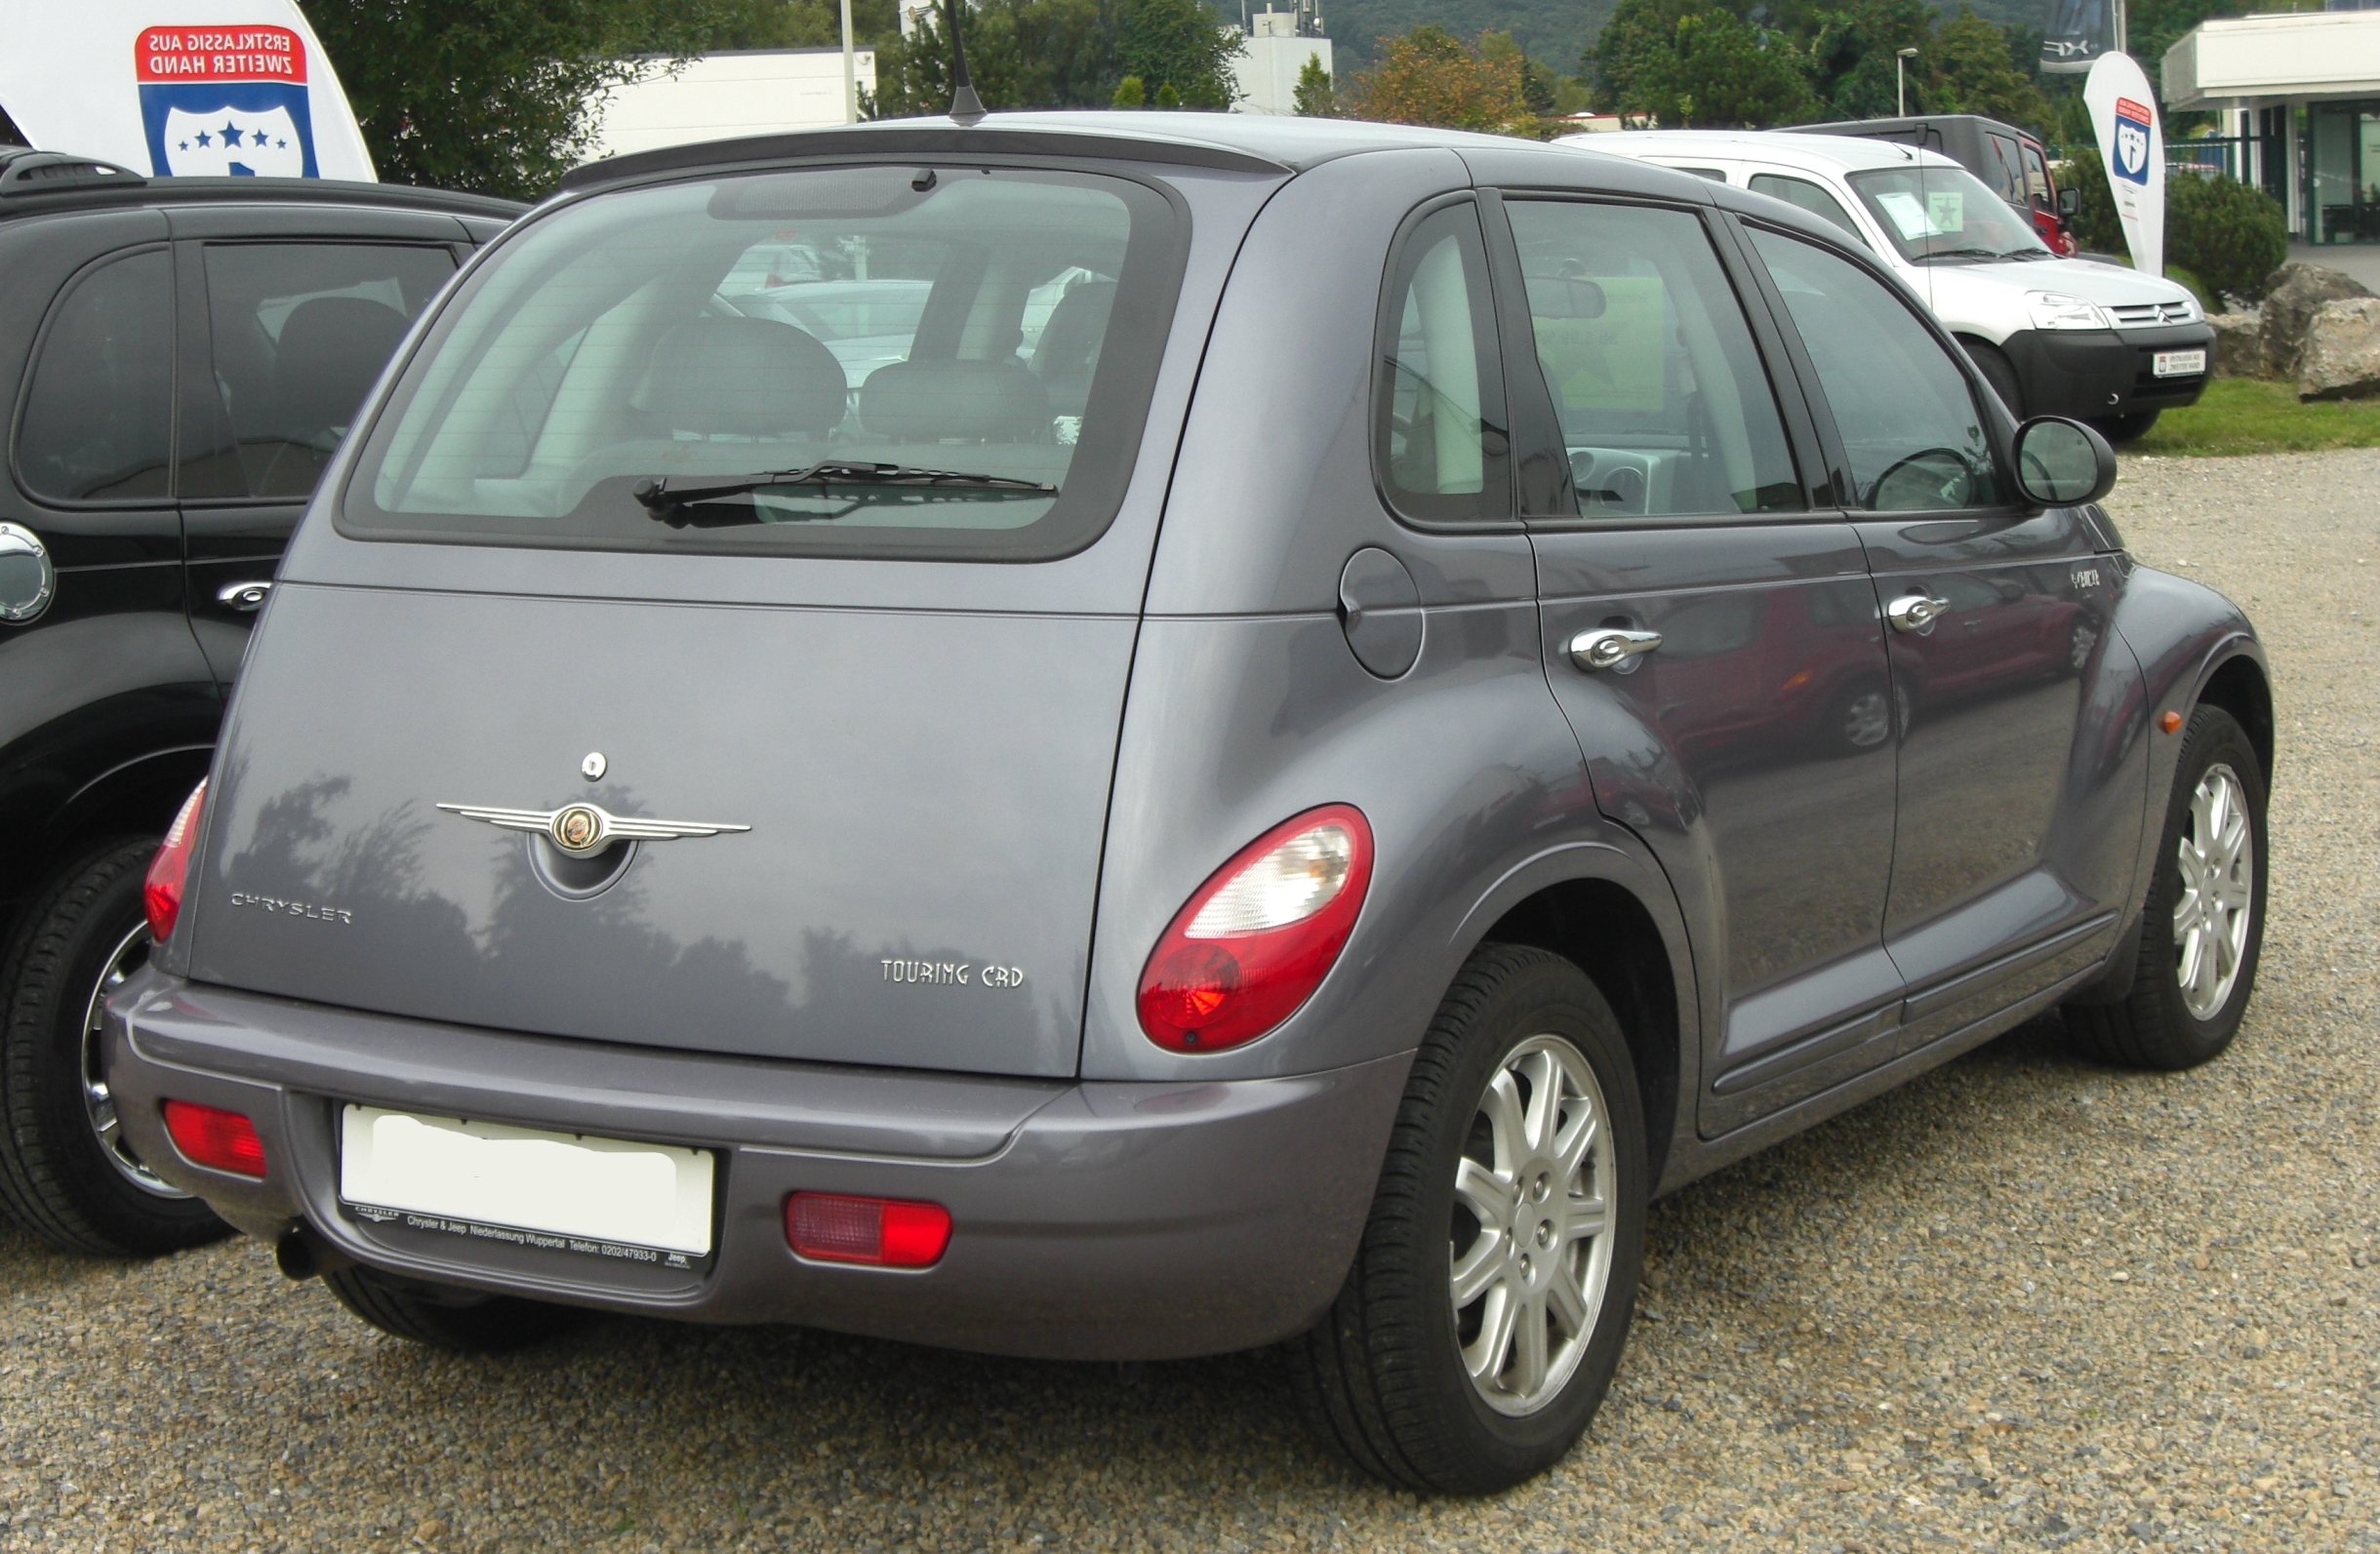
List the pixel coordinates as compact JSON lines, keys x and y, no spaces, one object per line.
{"x":1090,"y":1221}
{"x":2088,"y":374}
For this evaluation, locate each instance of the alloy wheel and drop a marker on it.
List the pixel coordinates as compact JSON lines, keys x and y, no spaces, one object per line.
{"x":1530,"y":1249}
{"x":2217,"y":855}
{"x":99,"y":1102}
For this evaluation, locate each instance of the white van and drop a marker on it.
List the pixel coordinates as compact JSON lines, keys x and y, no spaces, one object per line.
{"x":2056,"y":336}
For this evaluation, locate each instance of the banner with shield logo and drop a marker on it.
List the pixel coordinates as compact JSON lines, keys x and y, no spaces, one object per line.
{"x":227,"y":103}
{"x":2132,"y":144}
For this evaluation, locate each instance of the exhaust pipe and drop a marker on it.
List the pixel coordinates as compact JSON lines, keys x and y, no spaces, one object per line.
{"x":302,"y":1254}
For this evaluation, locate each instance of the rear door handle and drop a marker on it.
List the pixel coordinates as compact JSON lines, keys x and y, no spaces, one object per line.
{"x":1915,"y":612}
{"x":245,"y":597}
{"x":1609,"y":647}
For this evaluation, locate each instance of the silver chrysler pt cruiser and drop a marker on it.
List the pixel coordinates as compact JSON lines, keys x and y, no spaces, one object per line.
{"x":1130,"y":736}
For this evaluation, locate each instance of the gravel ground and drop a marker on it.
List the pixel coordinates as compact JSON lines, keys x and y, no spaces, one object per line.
{"x":2025,"y":1302}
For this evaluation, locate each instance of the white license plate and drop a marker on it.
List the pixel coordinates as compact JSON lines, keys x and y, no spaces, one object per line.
{"x":650,"y":1203}
{"x":2178,"y":364}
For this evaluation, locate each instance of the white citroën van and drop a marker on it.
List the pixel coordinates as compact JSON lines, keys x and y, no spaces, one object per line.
{"x":2056,"y":336}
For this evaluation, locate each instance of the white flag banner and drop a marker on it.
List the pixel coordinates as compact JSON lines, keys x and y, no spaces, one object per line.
{"x":178,"y":87}
{"x":2132,"y":143}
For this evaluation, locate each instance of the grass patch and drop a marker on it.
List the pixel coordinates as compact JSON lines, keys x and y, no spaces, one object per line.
{"x":2257,"y":416}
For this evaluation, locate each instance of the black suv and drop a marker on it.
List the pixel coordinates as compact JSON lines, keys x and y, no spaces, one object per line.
{"x":183,"y":354}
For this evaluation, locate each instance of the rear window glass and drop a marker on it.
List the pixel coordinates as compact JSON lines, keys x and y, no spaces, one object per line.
{"x":948,"y":362}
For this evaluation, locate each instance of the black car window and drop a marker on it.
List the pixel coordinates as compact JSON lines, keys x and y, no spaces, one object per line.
{"x":1664,"y":408}
{"x":300,"y":331}
{"x":889,"y":361}
{"x":1810,"y":197}
{"x":1905,"y":411}
{"x":98,"y":415}
{"x":1439,"y":435}
{"x":2036,"y":178}
{"x":2007,"y":176}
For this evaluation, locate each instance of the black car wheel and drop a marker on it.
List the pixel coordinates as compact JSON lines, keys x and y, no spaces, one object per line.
{"x":2202,"y":929}
{"x":66,"y":1169}
{"x":2127,"y":427}
{"x":1491,"y":1295}
{"x":2000,"y":373}
{"x":441,"y":1317}
{"x":1861,"y":717}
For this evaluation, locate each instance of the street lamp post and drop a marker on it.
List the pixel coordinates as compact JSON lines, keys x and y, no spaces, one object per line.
{"x":1900,"y":78}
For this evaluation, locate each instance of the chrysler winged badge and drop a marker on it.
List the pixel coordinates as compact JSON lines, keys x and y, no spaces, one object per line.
{"x":583,"y":830}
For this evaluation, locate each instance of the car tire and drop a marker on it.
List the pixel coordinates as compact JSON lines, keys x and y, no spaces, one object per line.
{"x":1859,"y":718}
{"x":2129,"y":427}
{"x":2000,"y":373}
{"x":442,"y":1317}
{"x":65,"y":1171}
{"x":1387,"y":1375}
{"x":2171,"y":1019}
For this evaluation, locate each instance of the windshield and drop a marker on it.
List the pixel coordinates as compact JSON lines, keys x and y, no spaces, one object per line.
{"x":837,"y":327}
{"x":1936,"y":212}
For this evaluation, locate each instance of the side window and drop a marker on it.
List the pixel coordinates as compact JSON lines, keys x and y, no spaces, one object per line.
{"x":1810,"y":197}
{"x":1907,"y":416}
{"x":2036,"y":178}
{"x":99,"y":418}
{"x":1664,"y":408}
{"x":2007,"y":175}
{"x":300,"y":332}
{"x":1440,"y":437}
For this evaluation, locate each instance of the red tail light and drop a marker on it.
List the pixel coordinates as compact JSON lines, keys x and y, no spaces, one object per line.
{"x":170,"y":866}
{"x":209,"y":1136}
{"x":1260,"y":934}
{"x":886,"y":1232}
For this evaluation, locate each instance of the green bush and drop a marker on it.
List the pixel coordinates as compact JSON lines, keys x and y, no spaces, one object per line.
{"x":2227,"y":235}
{"x":2230,"y":236}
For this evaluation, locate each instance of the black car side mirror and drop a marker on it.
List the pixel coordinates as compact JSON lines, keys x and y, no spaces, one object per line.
{"x":2069,"y":201}
{"x":2062,"y":463}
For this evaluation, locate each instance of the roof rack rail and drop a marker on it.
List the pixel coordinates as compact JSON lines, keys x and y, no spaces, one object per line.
{"x":27,"y":172}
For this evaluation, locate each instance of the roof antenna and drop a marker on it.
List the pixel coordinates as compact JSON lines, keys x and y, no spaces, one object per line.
{"x":966,"y":108}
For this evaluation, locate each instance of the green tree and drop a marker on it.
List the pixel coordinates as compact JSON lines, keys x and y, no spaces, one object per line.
{"x":1974,"y":75}
{"x":1167,"y":96}
{"x":1023,"y":54}
{"x":2227,"y":233}
{"x":1852,"y":48}
{"x":1312,"y":96}
{"x":799,"y":23}
{"x":1176,"y":44}
{"x":494,"y":96}
{"x":1129,"y":93}
{"x":1640,"y":38}
{"x":1724,"y":71}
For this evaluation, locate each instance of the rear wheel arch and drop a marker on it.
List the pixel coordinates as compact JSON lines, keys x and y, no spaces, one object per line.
{"x":1601,"y":927}
{"x":135,"y":798}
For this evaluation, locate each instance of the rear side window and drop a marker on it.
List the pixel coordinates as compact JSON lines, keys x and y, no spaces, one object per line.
{"x":2037,"y":178}
{"x":1905,"y":411}
{"x":99,"y":417}
{"x":300,"y":331}
{"x":947,"y":362}
{"x":2007,"y":175}
{"x":1665,"y":407}
{"x":1439,"y":431}
{"x":1810,"y":197}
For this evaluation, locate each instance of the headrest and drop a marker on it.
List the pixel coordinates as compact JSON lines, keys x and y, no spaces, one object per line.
{"x":741,"y":378}
{"x":330,"y":350}
{"x":975,"y":401}
{"x":1068,"y":350}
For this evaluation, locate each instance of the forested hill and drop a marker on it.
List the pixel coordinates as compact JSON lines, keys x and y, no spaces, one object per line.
{"x":1553,"y":31}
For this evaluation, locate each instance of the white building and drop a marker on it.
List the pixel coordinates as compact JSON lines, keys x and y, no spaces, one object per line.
{"x":2300,"y":98}
{"x":732,"y":92}
{"x":1275,"y":48}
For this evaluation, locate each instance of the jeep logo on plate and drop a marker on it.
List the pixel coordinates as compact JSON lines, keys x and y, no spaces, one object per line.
{"x":577,"y":827}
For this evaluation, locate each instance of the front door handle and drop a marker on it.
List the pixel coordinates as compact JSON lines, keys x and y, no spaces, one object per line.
{"x":245,"y":597}
{"x":1609,"y":647}
{"x":1915,"y":612}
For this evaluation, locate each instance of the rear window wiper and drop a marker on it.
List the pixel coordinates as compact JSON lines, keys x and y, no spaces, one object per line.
{"x":670,"y":498}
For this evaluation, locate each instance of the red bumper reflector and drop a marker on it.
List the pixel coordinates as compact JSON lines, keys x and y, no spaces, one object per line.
{"x":884,"y":1232}
{"x":208,"y":1135}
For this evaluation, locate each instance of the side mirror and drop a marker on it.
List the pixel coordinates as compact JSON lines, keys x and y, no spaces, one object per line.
{"x":2062,"y":463}
{"x":2069,"y":201}
{"x":28,"y":580}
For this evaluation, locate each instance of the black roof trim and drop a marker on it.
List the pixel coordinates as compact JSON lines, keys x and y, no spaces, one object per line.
{"x":29,"y":172}
{"x":269,"y":191}
{"x":921,"y":140}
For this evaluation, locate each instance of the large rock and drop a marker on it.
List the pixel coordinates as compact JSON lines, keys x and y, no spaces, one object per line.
{"x":2238,"y":345}
{"x":2341,"y":356}
{"x":2291,"y":294}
